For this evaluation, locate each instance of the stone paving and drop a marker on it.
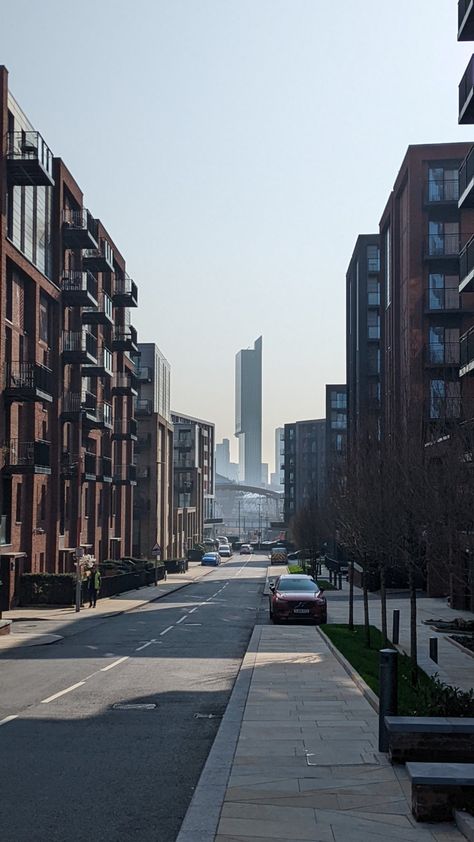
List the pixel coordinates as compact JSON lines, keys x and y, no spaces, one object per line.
{"x":306,"y":765}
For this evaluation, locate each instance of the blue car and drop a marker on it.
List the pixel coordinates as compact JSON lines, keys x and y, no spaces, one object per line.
{"x":211,"y":559}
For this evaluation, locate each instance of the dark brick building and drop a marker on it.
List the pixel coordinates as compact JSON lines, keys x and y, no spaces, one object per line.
{"x":68,"y":385}
{"x":305,"y":464}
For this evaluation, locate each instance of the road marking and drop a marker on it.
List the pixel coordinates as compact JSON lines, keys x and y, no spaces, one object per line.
{"x":195,"y":609}
{"x":8,"y":719}
{"x":165,"y":631}
{"x":62,"y":693}
{"x":188,"y":624}
{"x":181,"y":620}
{"x":144,"y":646}
{"x":115,"y":663}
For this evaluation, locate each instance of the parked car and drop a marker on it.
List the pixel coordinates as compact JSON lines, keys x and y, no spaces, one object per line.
{"x":246,"y":549}
{"x":211,"y":559}
{"x":225,"y":551}
{"x":295,"y":597}
{"x":278,"y":555}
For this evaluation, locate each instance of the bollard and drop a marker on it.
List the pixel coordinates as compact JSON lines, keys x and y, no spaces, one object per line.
{"x":339,"y":581}
{"x":388,"y":685}
{"x":434,"y":649}
{"x":396,"y":626}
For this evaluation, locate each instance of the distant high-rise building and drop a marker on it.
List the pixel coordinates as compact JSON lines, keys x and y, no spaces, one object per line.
{"x":264,"y":473}
{"x":248,"y":412}
{"x":278,"y":478}
{"x":223,"y":457}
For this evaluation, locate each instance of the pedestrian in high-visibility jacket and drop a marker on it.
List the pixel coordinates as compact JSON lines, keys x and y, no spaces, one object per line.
{"x":94,"y":586}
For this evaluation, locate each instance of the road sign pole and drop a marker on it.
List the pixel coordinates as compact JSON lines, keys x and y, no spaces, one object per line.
{"x":78,"y":555}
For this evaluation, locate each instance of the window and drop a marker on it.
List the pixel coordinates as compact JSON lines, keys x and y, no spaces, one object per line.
{"x":373,"y":360}
{"x":388,"y":277}
{"x":373,"y":324}
{"x":443,"y":291}
{"x":18,"y":505}
{"x":86,"y":501}
{"x":373,"y":259}
{"x":443,"y":238}
{"x":339,"y":443}
{"x":443,"y":184}
{"x":373,"y":292}
{"x":44,"y":320}
{"x":338,"y":400}
{"x":338,"y":420}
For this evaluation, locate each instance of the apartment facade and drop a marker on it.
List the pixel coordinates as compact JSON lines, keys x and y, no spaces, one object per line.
{"x":194,"y":478}
{"x":248,"y":412}
{"x":67,"y":398}
{"x":153,"y":507}
{"x":304,"y":465}
{"x":422,"y":231}
{"x":363,"y":347}
{"x":336,"y":431}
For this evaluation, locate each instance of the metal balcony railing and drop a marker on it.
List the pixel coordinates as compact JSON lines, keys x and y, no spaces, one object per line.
{"x":103,"y":414}
{"x":126,"y":289}
{"x":80,"y":342}
{"x":465,"y":20}
{"x":28,"y":453}
{"x":466,"y":348}
{"x":466,"y":172}
{"x":81,"y":220}
{"x":124,"y":473}
{"x":79,"y":282}
{"x":436,"y":192}
{"x":144,"y":407}
{"x":28,"y":376}
{"x":90,"y":464}
{"x":144,"y":373}
{"x":447,"y":298}
{"x":465,"y":92}
{"x":124,"y":380}
{"x":104,"y":467}
{"x":443,"y":353}
{"x":30,"y":147}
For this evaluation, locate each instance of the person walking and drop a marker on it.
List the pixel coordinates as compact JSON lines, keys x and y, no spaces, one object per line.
{"x":94,"y":586}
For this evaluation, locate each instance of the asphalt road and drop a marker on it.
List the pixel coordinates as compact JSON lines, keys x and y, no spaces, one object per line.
{"x":75,"y":767}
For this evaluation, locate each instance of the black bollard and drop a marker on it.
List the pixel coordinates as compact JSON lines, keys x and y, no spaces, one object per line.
{"x":396,"y":626}
{"x":434,"y":649}
{"x":388,"y":685}
{"x":339,"y":581}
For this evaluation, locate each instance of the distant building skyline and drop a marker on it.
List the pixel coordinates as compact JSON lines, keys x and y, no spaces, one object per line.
{"x":248,"y":412}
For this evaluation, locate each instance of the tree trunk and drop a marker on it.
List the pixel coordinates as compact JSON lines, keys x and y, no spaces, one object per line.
{"x":413,"y":630}
{"x":383,"y":603}
{"x":366,"y":605}
{"x":351,"y":595}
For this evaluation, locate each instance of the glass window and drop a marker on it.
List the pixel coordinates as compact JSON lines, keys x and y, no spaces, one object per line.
{"x":18,"y":506}
{"x":373,"y":324}
{"x":443,"y":184}
{"x":373,"y":292}
{"x":373,"y":259}
{"x":443,"y":238}
{"x":373,"y":360}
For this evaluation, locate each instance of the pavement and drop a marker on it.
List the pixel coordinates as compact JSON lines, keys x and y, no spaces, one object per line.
{"x":455,"y":667}
{"x":296,"y":756}
{"x":123,"y":713}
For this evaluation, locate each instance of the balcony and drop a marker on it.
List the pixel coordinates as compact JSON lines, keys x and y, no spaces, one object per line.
{"x":125,"y":292}
{"x":442,"y":410}
{"x":443,"y":246}
{"x":28,"y":382}
{"x":75,"y":404}
{"x":124,"y":475}
{"x":145,"y":374}
{"x":79,"y":347}
{"x":466,"y":96}
{"x":80,"y":229}
{"x":440,"y":354}
{"x":30,"y":457}
{"x":90,"y":466}
{"x":125,"y":429}
{"x":443,"y":300}
{"x":466,"y":181}
{"x":99,"y":259}
{"x":104,"y":469}
{"x":69,"y":464}
{"x":101,"y":418}
{"x":79,"y":289}
{"x":441,"y":193}
{"x":124,"y":384}
{"x":466,"y":344}
{"x":465,"y":20}
{"x":103,"y":367}
{"x":125,"y":339}
{"x":144,"y":407}
{"x":101,"y":314}
{"x":143,"y":443}
{"x":29,"y":160}
{"x":466,"y":267}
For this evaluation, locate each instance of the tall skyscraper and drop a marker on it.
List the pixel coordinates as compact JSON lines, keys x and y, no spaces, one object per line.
{"x":248,"y":412}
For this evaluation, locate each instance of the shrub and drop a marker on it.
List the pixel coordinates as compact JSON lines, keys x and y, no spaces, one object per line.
{"x":295,"y":568}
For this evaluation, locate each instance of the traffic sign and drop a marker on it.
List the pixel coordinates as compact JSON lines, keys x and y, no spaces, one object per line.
{"x":156,"y":551}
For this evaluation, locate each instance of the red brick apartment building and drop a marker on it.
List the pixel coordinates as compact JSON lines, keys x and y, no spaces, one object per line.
{"x":67,"y":426}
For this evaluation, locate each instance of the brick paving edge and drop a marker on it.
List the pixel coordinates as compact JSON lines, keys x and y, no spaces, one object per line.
{"x":202,"y":816}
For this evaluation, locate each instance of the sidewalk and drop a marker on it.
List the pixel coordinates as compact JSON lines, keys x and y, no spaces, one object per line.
{"x":306,"y":765}
{"x":111,"y":606}
{"x":454,"y":666}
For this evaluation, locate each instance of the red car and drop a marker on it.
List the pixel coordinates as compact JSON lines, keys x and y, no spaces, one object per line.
{"x":296,"y":597}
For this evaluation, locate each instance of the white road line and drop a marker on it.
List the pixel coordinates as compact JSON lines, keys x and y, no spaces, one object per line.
{"x":8,"y":719}
{"x":144,"y":646}
{"x":115,"y":664}
{"x":181,"y":620}
{"x":165,"y":631}
{"x":62,"y":693}
{"x":195,"y":609}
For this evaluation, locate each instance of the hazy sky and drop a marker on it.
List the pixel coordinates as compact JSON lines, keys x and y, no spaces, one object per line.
{"x":234,"y":149}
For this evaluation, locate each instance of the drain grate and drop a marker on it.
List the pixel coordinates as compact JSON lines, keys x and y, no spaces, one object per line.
{"x":125,"y":706}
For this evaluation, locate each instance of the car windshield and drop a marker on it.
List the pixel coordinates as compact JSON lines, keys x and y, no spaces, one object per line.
{"x":297,"y":583}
